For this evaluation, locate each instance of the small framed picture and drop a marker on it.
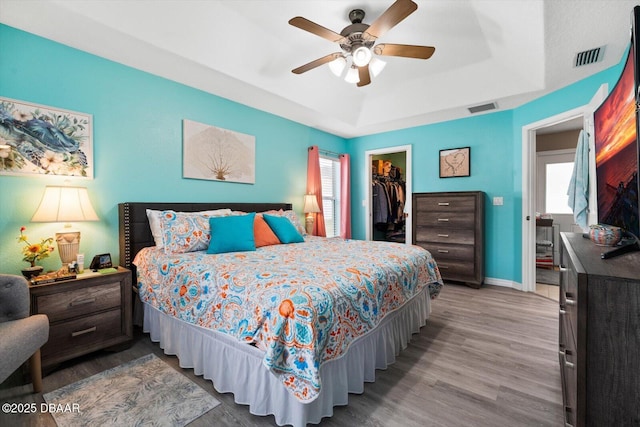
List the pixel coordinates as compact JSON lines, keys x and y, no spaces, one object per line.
{"x":455,"y":162}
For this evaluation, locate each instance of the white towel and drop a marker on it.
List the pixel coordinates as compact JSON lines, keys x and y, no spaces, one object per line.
{"x":579,"y":185}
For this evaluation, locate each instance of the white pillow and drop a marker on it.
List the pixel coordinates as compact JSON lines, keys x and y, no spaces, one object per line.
{"x":156,"y":229}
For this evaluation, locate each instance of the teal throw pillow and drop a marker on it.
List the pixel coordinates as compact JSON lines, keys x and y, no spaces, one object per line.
{"x":283,"y":228}
{"x":231,"y":234}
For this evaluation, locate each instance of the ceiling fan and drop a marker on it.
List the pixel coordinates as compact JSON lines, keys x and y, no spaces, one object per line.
{"x":358,"y":43}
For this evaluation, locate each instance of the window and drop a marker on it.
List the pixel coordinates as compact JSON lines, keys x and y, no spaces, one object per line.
{"x":554,"y":169}
{"x":558,"y":176}
{"x":330,"y":175}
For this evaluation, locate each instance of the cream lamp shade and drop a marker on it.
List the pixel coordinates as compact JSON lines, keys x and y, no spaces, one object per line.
{"x":310,"y":207}
{"x":66,"y":204}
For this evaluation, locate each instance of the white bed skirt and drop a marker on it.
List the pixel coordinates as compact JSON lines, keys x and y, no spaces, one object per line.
{"x":237,"y":367}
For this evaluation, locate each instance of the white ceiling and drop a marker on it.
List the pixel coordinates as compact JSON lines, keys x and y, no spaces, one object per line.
{"x":503,"y":51}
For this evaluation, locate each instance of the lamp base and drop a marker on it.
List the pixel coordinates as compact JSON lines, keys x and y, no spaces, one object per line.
{"x":68,"y":245}
{"x":309,"y":224}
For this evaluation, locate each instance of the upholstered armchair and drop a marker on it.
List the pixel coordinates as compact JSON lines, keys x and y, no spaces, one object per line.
{"x":21,"y":335}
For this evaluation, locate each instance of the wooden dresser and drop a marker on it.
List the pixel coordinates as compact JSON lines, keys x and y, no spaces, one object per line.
{"x":599,"y":339}
{"x":451,"y":227}
{"x":88,"y":313}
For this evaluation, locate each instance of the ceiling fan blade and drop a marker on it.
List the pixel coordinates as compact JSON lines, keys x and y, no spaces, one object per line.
{"x":365,"y":77}
{"x":318,"y":62}
{"x":391,"y":17}
{"x":318,"y":30}
{"x":405,"y":50}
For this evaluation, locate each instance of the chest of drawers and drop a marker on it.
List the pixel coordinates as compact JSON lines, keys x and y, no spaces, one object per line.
{"x":86,"y":314}
{"x":599,"y":335}
{"x":451,"y":226}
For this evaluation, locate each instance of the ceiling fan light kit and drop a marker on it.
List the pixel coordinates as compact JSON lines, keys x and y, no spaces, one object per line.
{"x":352,"y":75}
{"x":338,"y":65}
{"x":357,"y":43}
{"x":361,"y":56}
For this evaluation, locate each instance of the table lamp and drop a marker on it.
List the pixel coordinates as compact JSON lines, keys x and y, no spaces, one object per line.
{"x":310,"y":207}
{"x":66,"y":204}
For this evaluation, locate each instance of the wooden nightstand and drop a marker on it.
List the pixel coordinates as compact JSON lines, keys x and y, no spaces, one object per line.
{"x":88,"y":313}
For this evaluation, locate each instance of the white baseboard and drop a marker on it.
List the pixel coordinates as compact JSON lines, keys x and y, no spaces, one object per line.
{"x":503,"y":282}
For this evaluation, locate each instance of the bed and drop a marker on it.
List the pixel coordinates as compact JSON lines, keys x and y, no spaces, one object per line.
{"x":289,"y":329}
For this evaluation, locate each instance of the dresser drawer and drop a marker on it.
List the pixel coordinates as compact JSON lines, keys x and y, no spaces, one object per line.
{"x":70,"y":336}
{"x":445,"y":203}
{"x":442,"y":252}
{"x":569,"y":382}
{"x":446,"y":219}
{"x":459,"y":236}
{"x":569,"y":296}
{"x":77,"y":302}
{"x":451,"y":269}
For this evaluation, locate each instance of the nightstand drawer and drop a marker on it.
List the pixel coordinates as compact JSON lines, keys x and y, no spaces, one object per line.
{"x":77,"y":302}
{"x":88,"y":331}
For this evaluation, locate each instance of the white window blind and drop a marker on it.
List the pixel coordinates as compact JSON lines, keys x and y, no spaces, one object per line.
{"x":330,"y":175}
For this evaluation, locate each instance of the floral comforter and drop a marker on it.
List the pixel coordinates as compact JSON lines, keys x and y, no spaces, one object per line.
{"x":303,"y":304}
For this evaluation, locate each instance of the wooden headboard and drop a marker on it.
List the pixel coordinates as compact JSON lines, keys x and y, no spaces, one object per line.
{"x":135,"y":232}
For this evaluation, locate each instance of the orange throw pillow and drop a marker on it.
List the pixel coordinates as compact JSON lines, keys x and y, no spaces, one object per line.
{"x":263,"y":234}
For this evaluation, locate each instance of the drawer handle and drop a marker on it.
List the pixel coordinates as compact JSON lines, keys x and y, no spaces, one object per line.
{"x":443,"y":235}
{"x":562,"y":311}
{"x":443,"y":219}
{"x":566,"y":362}
{"x":569,"y":301}
{"x":84,"y":331}
{"x":443,"y":251}
{"x":443,"y":203}
{"x":83,"y":302}
{"x":443,"y":267}
{"x":567,"y":411}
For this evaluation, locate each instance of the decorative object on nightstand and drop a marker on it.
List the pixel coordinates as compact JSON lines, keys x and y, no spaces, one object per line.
{"x":33,"y":253}
{"x":66,"y":204}
{"x":310,"y":207}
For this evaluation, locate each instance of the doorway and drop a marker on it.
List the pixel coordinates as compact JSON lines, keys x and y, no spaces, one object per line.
{"x":530,"y":173}
{"x":388,"y":168}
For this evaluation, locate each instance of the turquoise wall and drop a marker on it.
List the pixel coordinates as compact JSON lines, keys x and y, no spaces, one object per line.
{"x":137,"y":130}
{"x":137,"y":120}
{"x":491,"y":142}
{"x":496,"y":165}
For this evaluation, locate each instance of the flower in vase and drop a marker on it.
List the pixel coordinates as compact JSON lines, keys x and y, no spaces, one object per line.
{"x":36,"y":251}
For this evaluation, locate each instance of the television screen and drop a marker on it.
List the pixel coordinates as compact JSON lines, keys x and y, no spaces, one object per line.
{"x":617,"y":154}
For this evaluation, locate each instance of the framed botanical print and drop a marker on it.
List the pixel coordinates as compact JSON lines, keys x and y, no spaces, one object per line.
{"x":455,"y":162}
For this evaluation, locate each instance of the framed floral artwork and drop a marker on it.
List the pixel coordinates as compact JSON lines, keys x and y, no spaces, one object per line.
{"x":217,"y":154}
{"x":455,"y":162}
{"x":41,"y":140}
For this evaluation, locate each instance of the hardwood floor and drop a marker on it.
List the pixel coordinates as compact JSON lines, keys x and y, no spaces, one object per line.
{"x":487,"y":357}
{"x":548,"y":291}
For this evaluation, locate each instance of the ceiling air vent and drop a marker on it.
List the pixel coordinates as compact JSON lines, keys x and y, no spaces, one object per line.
{"x":589,"y":56}
{"x":483,"y":107}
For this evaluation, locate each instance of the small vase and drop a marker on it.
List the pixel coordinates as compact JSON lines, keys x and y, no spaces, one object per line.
{"x":32,"y":271}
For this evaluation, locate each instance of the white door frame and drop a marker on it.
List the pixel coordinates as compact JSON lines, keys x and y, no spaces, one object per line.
{"x":529,"y":181}
{"x":408,"y":190}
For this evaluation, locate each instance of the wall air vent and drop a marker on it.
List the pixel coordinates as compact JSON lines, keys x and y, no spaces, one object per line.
{"x":483,"y":107}
{"x":589,"y":56}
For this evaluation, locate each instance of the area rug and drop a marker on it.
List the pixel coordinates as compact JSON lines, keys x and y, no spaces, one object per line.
{"x":143,"y":392}
{"x":547,"y":276}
